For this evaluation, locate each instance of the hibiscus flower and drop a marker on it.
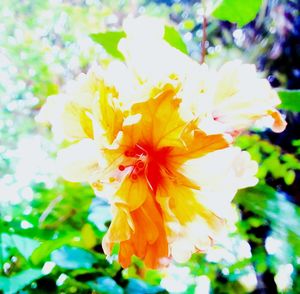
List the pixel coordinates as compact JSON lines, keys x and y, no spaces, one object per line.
{"x":138,"y":134}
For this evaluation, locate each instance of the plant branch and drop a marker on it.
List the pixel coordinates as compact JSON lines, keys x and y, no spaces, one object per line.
{"x":203,"y":42}
{"x":50,"y":207}
{"x":204,"y":34}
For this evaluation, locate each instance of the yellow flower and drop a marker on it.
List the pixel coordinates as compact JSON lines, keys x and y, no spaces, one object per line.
{"x":152,"y":138}
{"x":148,"y":164}
{"x":143,"y":163}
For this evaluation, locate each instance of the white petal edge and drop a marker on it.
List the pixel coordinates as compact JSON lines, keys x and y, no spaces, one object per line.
{"x":78,"y":162}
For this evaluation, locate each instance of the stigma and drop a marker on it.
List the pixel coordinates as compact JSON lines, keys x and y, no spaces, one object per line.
{"x":138,"y":158}
{"x":144,"y":160}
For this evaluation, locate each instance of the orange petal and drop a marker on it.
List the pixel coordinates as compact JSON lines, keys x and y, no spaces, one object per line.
{"x":143,"y":219}
{"x":198,"y":145}
{"x":157,"y":242}
{"x":161,"y":123}
{"x":125,"y":253}
{"x":148,"y":241}
{"x":279,"y":124}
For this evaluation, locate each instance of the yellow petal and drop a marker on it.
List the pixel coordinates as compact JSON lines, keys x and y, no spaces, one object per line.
{"x":121,"y":225}
{"x":108,"y":113}
{"x":183,"y":204}
{"x":132,"y":192}
{"x":77,"y":124}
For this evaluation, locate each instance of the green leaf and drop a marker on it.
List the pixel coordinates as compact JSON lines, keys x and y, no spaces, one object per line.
{"x":24,"y":245}
{"x":109,"y":41}
{"x":88,"y":236}
{"x":282,"y":216}
{"x":73,"y":258}
{"x":237,"y":11}
{"x":273,"y":206}
{"x":296,"y":143}
{"x":290,"y":177}
{"x":290,"y":100}
{"x":173,"y":37}
{"x":43,"y":251}
{"x":19,"y":281}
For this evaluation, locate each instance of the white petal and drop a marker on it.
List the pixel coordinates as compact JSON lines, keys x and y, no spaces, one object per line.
{"x":78,"y":162}
{"x":220,"y":174}
{"x":143,"y":26}
{"x":84,"y":89}
{"x":52,"y":109}
{"x":153,"y":53}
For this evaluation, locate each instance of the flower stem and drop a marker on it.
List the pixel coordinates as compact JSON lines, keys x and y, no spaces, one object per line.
{"x":204,"y":33}
{"x":203,"y":42}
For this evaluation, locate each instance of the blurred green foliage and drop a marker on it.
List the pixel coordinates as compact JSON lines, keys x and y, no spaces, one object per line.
{"x":290,"y":100}
{"x":51,"y":230}
{"x":237,"y":11}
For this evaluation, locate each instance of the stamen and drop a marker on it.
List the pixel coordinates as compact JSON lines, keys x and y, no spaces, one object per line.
{"x":128,"y":153}
{"x":142,"y":149}
{"x":121,"y":167}
{"x":134,"y":177}
{"x":140,"y":164}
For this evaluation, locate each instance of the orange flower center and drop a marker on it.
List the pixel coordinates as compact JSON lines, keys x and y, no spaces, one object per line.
{"x":148,"y":162}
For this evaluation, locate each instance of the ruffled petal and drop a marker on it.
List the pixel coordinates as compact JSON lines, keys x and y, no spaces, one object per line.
{"x":51,"y":113}
{"x":108,"y":113}
{"x":132,"y":192}
{"x":76,"y":122}
{"x":197,"y":144}
{"x":149,"y":239}
{"x":161,"y":124}
{"x":78,"y":162}
{"x":121,"y":219}
{"x":85,"y":88}
{"x":189,"y":224}
{"x":241,"y":97}
{"x":140,"y":232}
{"x":232,"y":100}
{"x":220,"y":174}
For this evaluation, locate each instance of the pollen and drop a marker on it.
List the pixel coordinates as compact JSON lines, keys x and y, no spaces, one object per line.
{"x":112,"y":179}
